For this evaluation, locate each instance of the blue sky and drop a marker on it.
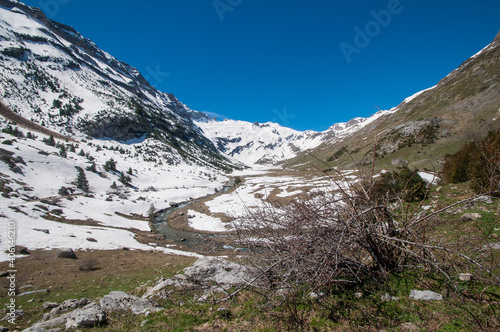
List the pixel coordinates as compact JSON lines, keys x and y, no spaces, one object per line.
{"x":303,"y":64}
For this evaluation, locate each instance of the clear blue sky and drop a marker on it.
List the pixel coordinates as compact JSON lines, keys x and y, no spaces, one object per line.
{"x":282,"y":60}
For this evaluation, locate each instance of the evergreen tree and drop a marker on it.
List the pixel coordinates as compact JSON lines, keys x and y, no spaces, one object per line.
{"x":110,"y":165}
{"x":81,"y":153}
{"x":125,"y":179}
{"x":50,"y":141}
{"x":130,"y":172}
{"x":62,"y":151}
{"x":81,"y":181}
{"x":92,"y":168}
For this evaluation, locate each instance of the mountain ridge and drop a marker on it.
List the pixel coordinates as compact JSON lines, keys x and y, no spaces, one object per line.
{"x":75,"y":88}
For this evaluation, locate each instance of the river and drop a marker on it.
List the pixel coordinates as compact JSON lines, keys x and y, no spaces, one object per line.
{"x":184,"y":238}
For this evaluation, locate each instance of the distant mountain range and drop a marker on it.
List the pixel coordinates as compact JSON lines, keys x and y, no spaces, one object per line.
{"x":55,"y":78}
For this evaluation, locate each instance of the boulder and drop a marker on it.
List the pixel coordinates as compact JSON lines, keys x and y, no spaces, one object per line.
{"x":89,"y":316}
{"x":40,"y":329}
{"x":22,"y":251}
{"x":217,"y":270}
{"x":64,"y":307}
{"x":206,"y":270}
{"x":66,"y":253}
{"x":120,"y":301}
{"x":425,"y":295}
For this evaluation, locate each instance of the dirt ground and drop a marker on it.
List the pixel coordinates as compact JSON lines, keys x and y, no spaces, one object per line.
{"x":100,"y":269}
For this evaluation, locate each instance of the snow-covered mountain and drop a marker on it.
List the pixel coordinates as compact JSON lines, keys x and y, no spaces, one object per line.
{"x":269,"y":143}
{"x":53,"y":76}
{"x":258,"y":144}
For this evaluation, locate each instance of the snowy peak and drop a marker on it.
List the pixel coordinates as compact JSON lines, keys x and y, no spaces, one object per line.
{"x":256,"y":143}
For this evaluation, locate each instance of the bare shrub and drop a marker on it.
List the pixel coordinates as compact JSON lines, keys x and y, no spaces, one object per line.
{"x":329,"y":242}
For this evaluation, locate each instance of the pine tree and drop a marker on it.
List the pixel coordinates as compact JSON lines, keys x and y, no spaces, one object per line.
{"x":62,"y":151}
{"x":50,"y":141}
{"x":92,"y":168}
{"x":81,"y":181}
{"x":130,"y":172}
{"x":125,"y":179}
{"x":110,"y":165}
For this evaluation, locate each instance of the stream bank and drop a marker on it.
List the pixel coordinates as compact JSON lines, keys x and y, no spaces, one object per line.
{"x":182,"y":234}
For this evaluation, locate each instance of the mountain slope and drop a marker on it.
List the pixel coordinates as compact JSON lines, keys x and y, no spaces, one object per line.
{"x":77,"y":89}
{"x":424,"y":127}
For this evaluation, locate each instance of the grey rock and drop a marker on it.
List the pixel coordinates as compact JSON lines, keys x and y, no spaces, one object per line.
{"x":399,"y":162}
{"x":484,"y":199}
{"x":120,"y":301}
{"x":409,"y":327}
{"x":40,"y":329}
{"x":494,"y":246}
{"x":425,"y":295}
{"x":217,"y":270}
{"x":23,"y":251}
{"x":465,"y":277}
{"x":14,"y":315}
{"x":50,"y":305}
{"x":316,"y":296}
{"x":86,"y":314}
{"x":46,"y":231}
{"x":66,"y":306}
{"x":89,"y":316}
{"x":471,"y":216}
{"x":388,"y":298}
{"x":159,"y":289}
{"x":66,"y":253}
{"x":205,"y":270}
